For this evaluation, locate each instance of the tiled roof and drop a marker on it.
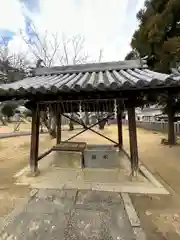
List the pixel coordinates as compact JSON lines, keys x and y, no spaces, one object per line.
{"x":91,"y":77}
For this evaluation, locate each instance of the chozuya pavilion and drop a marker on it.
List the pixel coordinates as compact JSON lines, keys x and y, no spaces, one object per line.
{"x":93,"y":88}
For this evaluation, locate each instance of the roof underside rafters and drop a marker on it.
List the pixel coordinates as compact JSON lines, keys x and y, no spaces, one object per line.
{"x":99,"y":77}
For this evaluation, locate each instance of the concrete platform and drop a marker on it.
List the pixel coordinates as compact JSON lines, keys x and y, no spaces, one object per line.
{"x":71,"y":214}
{"x":64,"y":172}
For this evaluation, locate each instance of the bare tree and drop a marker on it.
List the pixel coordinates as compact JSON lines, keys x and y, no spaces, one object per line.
{"x":100,"y":55}
{"x":11,"y":61}
{"x":42,"y":46}
{"x":54,"y":49}
{"x":49,"y":49}
{"x":4,"y":50}
{"x":73,"y":53}
{"x":18,"y":60}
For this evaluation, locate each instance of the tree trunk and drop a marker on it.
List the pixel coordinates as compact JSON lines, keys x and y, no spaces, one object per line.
{"x":50,"y":122}
{"x":1,"y":115}
{"x":52,"y":125}
{"x":9,"y":119}
{"x":3,"y":121}
{"x":44,"y":119}
{"x":86,"y":118}
{"x":71,"y":123}
{"x":102,"y":123}
{"x":171,"y":133}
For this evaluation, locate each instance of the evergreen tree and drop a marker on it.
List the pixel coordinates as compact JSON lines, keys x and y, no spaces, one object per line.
{"x":158,"y":35}
{"x":132,"y":55}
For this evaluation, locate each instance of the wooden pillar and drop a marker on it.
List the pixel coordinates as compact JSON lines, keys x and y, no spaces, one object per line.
{"x":119,"y":125}
{"x":133,"y":139}
{"x":58,"y":121}
{"x":34,"y":140}
{"x":171,"y":132}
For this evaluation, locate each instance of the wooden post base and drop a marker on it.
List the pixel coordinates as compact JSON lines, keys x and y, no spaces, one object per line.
{"x":33,"y":172}
{"x":134,"y":175}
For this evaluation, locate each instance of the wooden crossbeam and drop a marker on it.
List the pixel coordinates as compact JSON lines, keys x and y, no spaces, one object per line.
{"x":90,"y":128}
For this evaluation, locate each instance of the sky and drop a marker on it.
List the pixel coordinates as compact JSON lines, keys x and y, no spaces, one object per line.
{"x":105,"y":24}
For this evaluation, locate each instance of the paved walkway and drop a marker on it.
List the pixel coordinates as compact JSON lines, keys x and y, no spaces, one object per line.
{"x":160,"y":215}
{"x":71,"y":214}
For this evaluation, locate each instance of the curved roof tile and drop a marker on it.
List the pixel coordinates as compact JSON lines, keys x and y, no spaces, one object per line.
{"x":97,"y":77}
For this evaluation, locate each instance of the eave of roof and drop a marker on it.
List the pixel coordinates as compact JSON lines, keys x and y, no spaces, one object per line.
{"x":114,"y":76}
{"x":92,"y":67}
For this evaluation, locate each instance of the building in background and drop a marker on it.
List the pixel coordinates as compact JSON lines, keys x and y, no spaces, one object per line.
{"x":149,"y":114}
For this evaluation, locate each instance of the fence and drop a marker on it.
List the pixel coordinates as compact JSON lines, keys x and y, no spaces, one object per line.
{"x":156,"y":126}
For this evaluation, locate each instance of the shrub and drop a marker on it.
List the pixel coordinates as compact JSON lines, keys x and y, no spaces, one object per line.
{"x":8,"y":109}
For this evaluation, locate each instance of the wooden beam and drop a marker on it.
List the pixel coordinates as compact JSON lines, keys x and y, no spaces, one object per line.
{"x":133,"y":139}
{"x":44,"y":154}
{"x":92,"y":67}
{"x":119,"y":125}
{"x":34,"y":140}
{"x":58,"y":121}
{"x":89,"y":128}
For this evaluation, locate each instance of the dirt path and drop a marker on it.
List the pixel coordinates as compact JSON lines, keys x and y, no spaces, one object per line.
{"x":160,"y":215}
{"x":14,"y":154}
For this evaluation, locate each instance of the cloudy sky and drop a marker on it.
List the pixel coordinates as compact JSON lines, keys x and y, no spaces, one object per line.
{"x":105,"y":24}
